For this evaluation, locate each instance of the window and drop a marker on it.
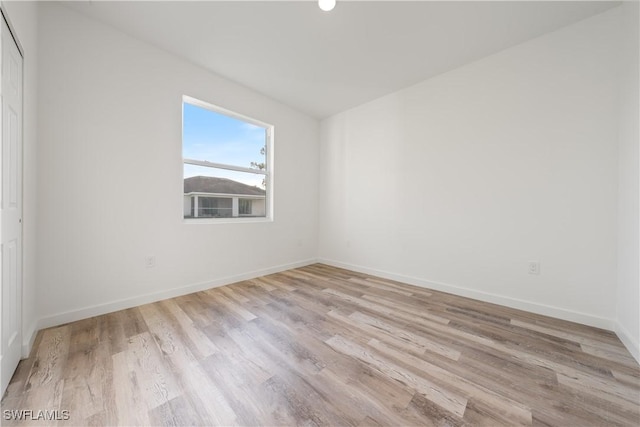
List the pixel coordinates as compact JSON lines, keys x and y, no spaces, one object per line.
{"x":226,"y":163}
{"x":244,"y":207}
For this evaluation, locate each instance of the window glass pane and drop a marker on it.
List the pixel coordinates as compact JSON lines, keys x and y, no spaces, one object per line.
{"x":235,"y":143}
{"x":220,"y":193}
{"x":217,"y":138}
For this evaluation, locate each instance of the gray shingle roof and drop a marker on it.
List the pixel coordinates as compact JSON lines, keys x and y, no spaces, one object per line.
{"x":208,"y":184}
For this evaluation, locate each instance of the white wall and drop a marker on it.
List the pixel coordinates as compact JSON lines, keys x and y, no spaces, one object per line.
{"x":628,"y":301}
{"x":457,"y":182}
{"x":23,"y":17}
{"x":110,"y":140}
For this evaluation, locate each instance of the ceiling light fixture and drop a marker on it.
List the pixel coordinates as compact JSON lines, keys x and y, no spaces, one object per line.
{"x":326,"y":5}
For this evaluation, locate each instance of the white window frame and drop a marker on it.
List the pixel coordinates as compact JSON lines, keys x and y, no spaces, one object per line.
{"x":267,"y":173}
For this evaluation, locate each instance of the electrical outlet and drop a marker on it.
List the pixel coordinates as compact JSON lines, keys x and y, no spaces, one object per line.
{"x":150,"y":261}
{"x":534,"y":267}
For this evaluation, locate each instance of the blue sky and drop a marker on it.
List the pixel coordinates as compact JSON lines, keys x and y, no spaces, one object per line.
{"x":221,"y":139}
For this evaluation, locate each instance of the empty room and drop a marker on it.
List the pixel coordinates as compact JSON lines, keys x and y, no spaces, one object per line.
{"x":320,"y":213}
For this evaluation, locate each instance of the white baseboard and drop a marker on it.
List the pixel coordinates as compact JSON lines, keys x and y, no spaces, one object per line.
{"x":545,"y":310}
{"x":28,"y":339}
{"x":632,"y":343}
{"x":97,"y":310}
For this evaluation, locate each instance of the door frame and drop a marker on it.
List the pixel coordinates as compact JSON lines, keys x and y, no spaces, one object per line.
{"x":5,"y":17}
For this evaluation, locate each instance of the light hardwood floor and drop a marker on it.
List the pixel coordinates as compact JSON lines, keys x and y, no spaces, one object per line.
{"x":324,"y":346}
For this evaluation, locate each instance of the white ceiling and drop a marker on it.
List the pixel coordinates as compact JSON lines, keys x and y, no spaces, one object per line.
{"x":323,"y":63}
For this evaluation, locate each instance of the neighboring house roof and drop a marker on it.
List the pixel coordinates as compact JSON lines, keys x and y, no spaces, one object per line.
{"x":209,"y":184}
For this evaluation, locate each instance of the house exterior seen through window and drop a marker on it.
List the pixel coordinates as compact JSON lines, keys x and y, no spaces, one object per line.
{"x":225,"y":162}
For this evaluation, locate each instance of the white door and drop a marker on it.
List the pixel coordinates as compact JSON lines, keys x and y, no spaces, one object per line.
{"x":11,"y":206}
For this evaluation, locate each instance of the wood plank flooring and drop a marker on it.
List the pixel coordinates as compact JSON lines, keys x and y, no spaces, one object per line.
{"x":321,"y":346}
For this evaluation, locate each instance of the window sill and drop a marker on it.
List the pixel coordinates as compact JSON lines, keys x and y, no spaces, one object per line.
{"x":238,"y":220}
